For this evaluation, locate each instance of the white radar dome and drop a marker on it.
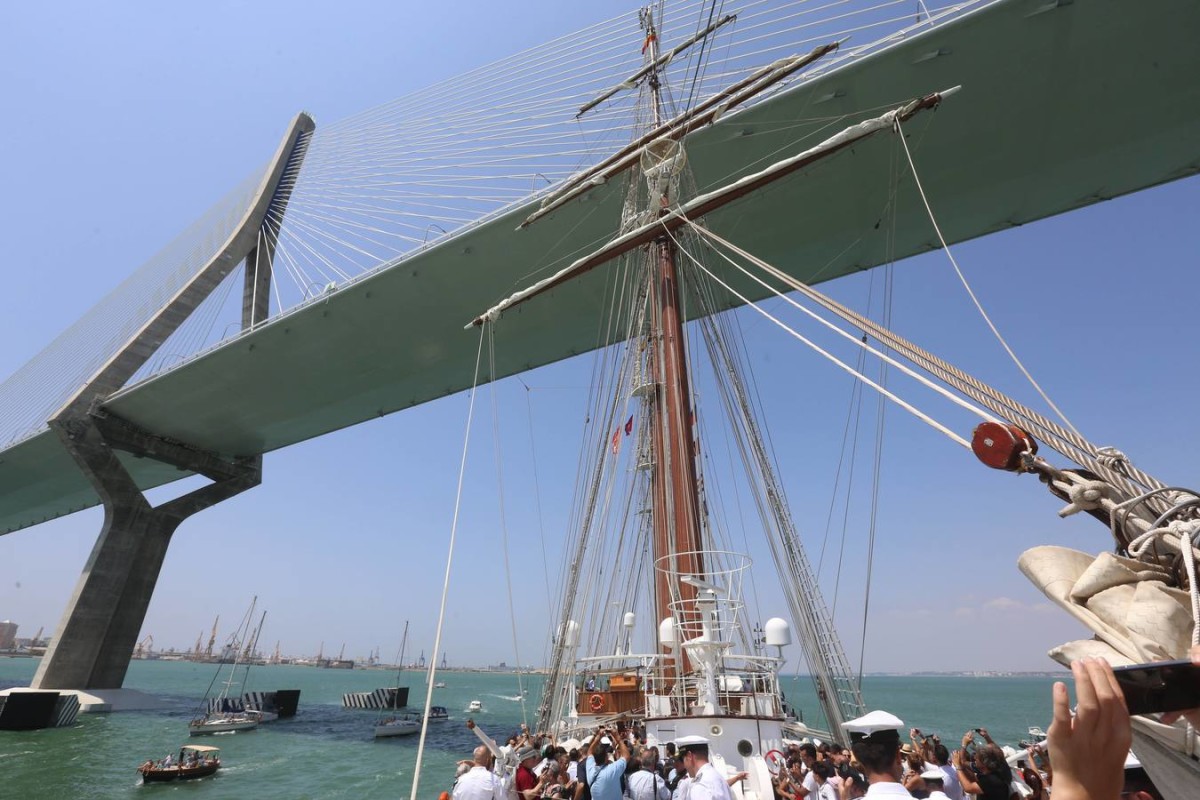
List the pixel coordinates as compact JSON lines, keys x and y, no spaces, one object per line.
{"x":777,"y":632}
{"x":666,"y":632}
{"x":630,"y":619}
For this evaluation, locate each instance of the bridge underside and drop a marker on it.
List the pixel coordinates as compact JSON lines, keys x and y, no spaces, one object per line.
{"x":1062,"y":106}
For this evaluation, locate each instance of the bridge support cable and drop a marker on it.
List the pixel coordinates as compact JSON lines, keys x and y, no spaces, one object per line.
{"x":98,"y":630}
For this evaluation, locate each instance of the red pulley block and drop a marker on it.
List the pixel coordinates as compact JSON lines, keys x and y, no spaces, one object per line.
{"x":1001,"y":446}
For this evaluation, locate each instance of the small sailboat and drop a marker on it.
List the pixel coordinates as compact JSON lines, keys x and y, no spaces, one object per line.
{"x":396,"y":724}
{"x":224,"y":714}
{"x":402,"y":725}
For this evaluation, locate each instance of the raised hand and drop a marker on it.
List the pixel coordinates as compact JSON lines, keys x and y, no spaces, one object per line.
{"x":1089,"y":750}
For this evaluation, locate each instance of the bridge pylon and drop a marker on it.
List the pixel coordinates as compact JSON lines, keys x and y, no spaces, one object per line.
{"x":99,"y":629}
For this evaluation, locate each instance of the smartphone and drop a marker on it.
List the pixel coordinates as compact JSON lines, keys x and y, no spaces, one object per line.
{"x":1160,"y":686}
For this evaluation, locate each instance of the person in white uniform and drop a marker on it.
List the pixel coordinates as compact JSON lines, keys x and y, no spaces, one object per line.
{"x":706,"y":783}
{"x":480,"y":783}
{"x":935,"y":782}
{"x":875,"y":741}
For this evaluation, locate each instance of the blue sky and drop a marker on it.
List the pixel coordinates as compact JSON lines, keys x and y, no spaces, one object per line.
{"x":126,"y":121}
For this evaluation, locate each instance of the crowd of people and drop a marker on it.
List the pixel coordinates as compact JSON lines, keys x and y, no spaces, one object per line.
{"x":1082,"y":759}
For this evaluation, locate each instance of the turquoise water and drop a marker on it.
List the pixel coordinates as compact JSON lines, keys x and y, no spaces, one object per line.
{"x":328,"y":751}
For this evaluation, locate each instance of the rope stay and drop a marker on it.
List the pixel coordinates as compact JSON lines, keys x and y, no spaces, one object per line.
{"x":834,"y":683}
{"x":947,"y":432}
{"x":512,"y":612}
{"x":437,"y":639}
{"x":1069,"y":444}
{"x":971,"y":292}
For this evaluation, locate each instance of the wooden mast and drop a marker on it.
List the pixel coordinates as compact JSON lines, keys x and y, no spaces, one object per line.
{"x":674,"y":495}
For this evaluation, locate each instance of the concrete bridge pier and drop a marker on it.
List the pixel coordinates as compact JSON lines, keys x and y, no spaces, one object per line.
{"x":100,"y":627}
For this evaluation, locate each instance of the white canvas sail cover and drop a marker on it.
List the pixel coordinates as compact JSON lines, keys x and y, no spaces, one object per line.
{"x":1137,"y":616}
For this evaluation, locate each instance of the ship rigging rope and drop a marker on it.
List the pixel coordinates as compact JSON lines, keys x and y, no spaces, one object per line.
{"x":823,"y":651}
{"x":1188,"y":532}
{"x":537,"y":493}
{"x":971,"y":292}
{"x":512,"y":614}
{"x":850,"y":337}
{"x":437,"y":639}
{"x":1075,"y":447}
{"x":928,"y":420}
{"x":593,"y":493}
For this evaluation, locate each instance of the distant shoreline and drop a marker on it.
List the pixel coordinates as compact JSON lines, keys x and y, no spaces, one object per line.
{"x":542,"y":671}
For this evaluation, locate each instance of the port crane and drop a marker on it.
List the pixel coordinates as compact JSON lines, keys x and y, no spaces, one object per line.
{"x":144,"y":647}
{"x":212,"y":639}
{"x":252,"y":641}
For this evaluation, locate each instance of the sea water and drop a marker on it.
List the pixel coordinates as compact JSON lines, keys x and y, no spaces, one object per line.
{"x":327,"y":751}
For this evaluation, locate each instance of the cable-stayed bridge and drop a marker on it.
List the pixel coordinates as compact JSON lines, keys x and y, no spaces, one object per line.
{"x":341,"y":276}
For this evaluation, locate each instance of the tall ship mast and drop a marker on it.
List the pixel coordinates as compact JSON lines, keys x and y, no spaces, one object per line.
{"x":701,"y":666}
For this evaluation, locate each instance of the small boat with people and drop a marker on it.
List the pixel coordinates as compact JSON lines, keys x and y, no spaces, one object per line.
{"x":438,"y":714}
{"x":194,"y":761}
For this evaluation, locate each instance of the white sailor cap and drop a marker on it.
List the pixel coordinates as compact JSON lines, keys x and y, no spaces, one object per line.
{"x":875,"y":726}
{"x":693,"y":743}
{"x":933,"y":775}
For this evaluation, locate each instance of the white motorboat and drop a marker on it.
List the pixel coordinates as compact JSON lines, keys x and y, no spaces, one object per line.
{"x":261,"y":716}
{"x":475,"y":705}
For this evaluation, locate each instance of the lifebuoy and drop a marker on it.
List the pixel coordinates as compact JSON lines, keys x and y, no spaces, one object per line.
{"x":596,"y":701}
{"x":775,"y":761}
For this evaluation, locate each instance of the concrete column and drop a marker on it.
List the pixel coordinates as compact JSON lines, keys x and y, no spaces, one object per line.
{"x":98,"y":631}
